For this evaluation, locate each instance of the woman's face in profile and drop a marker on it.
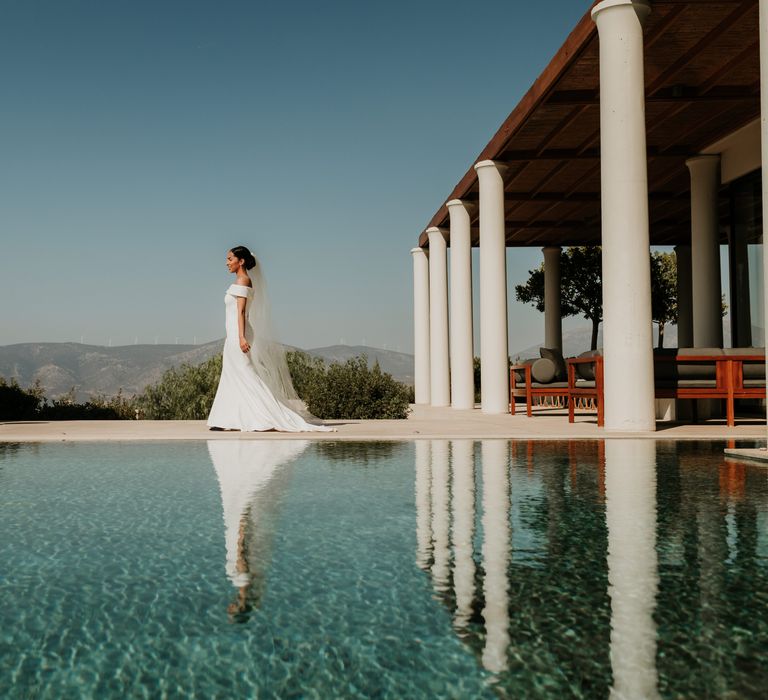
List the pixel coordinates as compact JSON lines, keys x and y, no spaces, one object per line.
{"x":232,"y":262}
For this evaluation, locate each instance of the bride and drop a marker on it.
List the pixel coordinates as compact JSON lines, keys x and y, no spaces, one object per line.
{"x":255,"y":391}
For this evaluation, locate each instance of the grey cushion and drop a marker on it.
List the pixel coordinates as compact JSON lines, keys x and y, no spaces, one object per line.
{"x":551,"y":385}
{"x":586,"y":370}
{"x":520,"y":374}
{"x":752,"y":370}
{"x":543,"y":371}
{"x":561,"y":374}
{"x":697,"y":370}
{"x":585,"y":384}
{"x":687,"y":384}
{"x":754,"y":383}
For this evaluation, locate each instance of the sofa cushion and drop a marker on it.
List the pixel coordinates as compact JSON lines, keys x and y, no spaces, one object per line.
{"x":586,"y":370}
{"x":697,"y":370}
{"x":543,"y":371}
{"x":520,"y":374}
{"x":561,"y":374}
{"x":752,"y":370}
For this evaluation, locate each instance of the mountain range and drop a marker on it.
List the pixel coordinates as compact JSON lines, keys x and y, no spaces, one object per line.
{"x":96,"y":369}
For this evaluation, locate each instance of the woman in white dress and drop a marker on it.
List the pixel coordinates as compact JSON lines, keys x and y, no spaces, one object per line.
{"x":255,"y":391}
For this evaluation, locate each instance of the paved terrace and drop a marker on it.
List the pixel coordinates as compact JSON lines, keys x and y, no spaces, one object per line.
{"x":424,"y":422}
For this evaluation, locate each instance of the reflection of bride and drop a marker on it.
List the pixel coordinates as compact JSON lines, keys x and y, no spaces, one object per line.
{"x":252,"y":477}
{"x":255,"y":390}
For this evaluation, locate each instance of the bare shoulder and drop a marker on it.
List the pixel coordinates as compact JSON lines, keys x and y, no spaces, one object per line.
{"x":244,"y":281}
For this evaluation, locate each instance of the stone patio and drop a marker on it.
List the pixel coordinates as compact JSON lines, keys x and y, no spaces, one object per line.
{"x":424,"y":422}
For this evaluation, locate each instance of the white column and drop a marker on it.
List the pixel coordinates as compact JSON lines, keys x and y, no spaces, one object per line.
{"x":705,"y":252}
{"x":627,"y":329}
{"x":463,"y":511}
{"x":423,"y":504}
{"x":494,"y":351}
{"x":763,"y":31}
{"x":438,"y":318}
{"x":684,"y":297}
{"x":496,"y":543}
{"x":630,"y":515}
{"x":440,"y":515}
{"x":421,"y":372}
{"x":462,"y":355}
{"x":553,"y":321}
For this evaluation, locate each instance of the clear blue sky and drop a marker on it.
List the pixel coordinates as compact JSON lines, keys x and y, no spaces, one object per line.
{"x":140,"y":140}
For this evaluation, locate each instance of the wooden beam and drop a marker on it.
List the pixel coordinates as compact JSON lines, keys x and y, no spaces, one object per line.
{"x":578,"y":40}
{"x":518,"y":156}
{"x":734,"y":16}
{"x":583,"y":197}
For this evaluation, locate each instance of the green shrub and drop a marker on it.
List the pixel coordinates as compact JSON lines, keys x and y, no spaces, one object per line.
{"x":98,"y":407}
{"x":352,"y":390}
{"x":17,"y":403}
{"x":305,"y":371}
{"x":31,"y":404}
{"x":183,"y":393}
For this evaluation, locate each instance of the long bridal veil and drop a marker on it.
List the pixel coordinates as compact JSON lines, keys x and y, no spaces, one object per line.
{"x":267,"y":353}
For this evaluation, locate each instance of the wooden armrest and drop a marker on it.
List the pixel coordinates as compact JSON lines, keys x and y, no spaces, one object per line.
{"x":583,"y":360}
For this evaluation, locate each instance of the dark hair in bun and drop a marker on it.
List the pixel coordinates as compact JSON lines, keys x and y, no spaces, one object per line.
{"x":242,"y":253}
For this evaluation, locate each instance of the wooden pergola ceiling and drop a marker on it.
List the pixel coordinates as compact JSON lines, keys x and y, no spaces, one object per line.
{"x":702,"y":78}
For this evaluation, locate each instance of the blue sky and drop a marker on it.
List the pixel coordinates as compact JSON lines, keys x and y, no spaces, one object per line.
{"x":140,"y":140}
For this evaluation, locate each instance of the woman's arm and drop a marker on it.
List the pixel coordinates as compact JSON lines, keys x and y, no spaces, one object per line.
{"x":244,"y":346}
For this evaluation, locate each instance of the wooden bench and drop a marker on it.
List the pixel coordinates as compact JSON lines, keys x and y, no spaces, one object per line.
{"x":530,"y":389}
{"x":684,"y":375}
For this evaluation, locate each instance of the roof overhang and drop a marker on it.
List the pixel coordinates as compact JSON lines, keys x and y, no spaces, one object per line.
{"x":702,"y":79}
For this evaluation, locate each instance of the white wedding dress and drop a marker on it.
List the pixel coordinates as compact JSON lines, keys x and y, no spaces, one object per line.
{"x":243,"y":401}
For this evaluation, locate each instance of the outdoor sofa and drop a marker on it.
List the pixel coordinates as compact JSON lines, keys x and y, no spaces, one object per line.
{"x":545,"y":376}
{"x":686,"y":373}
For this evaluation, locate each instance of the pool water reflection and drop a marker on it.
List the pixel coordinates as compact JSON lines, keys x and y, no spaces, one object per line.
{"x":624,"y":568}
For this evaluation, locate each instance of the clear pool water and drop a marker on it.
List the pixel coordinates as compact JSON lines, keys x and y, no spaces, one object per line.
{"x":390,"y":570}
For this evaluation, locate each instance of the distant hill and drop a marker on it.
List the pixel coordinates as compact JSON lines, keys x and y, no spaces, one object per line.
{"x":96,"y":369}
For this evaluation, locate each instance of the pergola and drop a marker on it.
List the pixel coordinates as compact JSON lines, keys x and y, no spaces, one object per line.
{"x":623,"y":141}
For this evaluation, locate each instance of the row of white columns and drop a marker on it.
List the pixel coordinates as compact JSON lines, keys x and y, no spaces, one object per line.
{"x":627,"y":322}
{"x":444,"y":372}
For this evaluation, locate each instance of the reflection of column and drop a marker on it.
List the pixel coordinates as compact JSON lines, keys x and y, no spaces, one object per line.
{"x":440,"y":517}
{"x":463,"y":496}
{"x":423,"y":510}
{"x":496,"y":543}
{"x":713,"y":551}
{"x":630,"y":514}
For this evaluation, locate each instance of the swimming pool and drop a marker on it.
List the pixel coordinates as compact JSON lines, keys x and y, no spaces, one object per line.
{"x":289,"y":568}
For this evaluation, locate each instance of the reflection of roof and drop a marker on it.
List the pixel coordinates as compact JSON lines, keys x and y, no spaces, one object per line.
{"x":702,"y":79}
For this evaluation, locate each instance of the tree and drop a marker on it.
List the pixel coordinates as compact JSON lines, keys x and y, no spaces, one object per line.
{"x":581,"y":286}
{"x":663,"y":291}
